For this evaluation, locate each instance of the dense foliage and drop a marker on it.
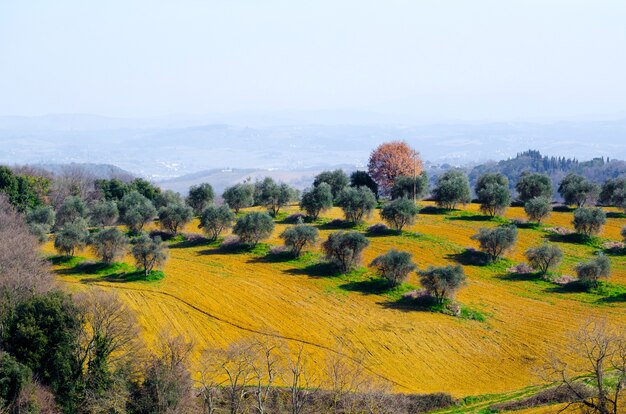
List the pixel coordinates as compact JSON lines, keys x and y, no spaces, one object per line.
{"x":253,"y":227}
{"x":452,"y":189}
{"x":357,"y":203}
{"x":317,"y":199}
{"x":394,"y":266}
{"x":399,"y":213}
{"x":496,"y":241}
{"x":442,"y":282}
{"x":344,"y":249}
{"x":493,"y":193}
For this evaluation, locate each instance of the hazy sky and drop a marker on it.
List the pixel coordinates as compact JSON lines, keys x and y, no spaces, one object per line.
{"x":435,"y":59}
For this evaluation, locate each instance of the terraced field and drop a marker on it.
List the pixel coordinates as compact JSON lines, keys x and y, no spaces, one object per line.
{"x":215,"y":297}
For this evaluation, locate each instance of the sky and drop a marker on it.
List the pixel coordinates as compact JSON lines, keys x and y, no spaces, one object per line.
{"x":429,"y":60}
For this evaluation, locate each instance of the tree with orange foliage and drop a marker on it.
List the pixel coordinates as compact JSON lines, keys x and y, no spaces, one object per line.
{"x":392,"y":160}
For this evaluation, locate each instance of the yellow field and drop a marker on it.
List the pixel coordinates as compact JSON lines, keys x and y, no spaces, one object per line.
{"x":215,"y":298}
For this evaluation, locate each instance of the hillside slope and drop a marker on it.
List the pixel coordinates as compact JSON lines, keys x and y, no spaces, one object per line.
{"x":215,"y":297}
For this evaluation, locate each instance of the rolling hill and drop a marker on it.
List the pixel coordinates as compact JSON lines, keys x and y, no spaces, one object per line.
{"x":216,"y":297}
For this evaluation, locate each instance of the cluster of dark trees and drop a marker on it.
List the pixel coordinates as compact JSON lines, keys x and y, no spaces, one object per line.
{"x":597,"y":170}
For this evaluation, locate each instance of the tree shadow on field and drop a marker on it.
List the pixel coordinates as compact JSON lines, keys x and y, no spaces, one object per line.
{"x":575,"y":286}
{"x":193,"y":242}
{"x":521,"y":277}
{"x":434,"y":210}
{"x":86,"y":268}
{"x":382,"y":233}
{"x":574,"y":238}
{"x":613,"y":299}
{"x":337,"y":224}
{"x":372,"y":286}
{"x":615,"y":215}
{"x":528,"y":225}
{"x":470,"y":257}
{"x":221,"y":250}
{"x":279,"y":257}
{"x":127,"y":277}
{"x":422,"y":303}
{"x":562,"y":209}
{"x":474,"y":217}
{"x":316,"y":270}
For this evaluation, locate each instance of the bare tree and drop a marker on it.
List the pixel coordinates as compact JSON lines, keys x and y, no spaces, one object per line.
{"x":303,"y":384}
{"x":602,"y":351}
{"x":209,"y":382}
{"x":266,"y":368}
{"x":236,"y":363}
{"x":23,"y":272}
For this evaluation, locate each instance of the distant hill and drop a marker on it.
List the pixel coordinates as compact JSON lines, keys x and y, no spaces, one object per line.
{"x":97,"y":171}
{"x":163,"y":148}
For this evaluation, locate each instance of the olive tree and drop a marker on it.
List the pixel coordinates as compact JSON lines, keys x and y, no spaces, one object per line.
{"x":577,"y":190}
{"x":40,"y":221}
{"x":254,"y":227}
{"x":496,"y":241}
{"x":589,"y":221}
{"x":149,"y":253}
{"x":589,"y":272}
{"x":316,"y":199}
{"x":173,"y":217}
{"x":399,"y":213}
{"x":357,"y":203}
{"x":72,"y":236}
{"x":394,"y":266}
{"x":337,"y":180}
{"x":494,"y":196}
{"x":614,"y":192}
{"x":214,"y":220}
{"x":41,"y":215}
{"x":200,"y":196}
{"x":136,"y":210}
{"x":410,"y":187}
{"x":72,"y":209}
{"x":167,"y":197}
{"x":273,"y":195}
{"x":538,"y":208}
{"x":239,"y":196}
{"x":452,"y":189}
{"x":109,"y":244}
{"x":299,"y":236}
{"x":344,"y":249}
{"x":442,"y":282}
{"x":531,"y":185}
{"x":104,"y":213}
{"x":544,"y":257}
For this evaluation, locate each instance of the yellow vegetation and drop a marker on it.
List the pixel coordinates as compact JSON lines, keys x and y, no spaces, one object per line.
{"x":215,"y":298}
